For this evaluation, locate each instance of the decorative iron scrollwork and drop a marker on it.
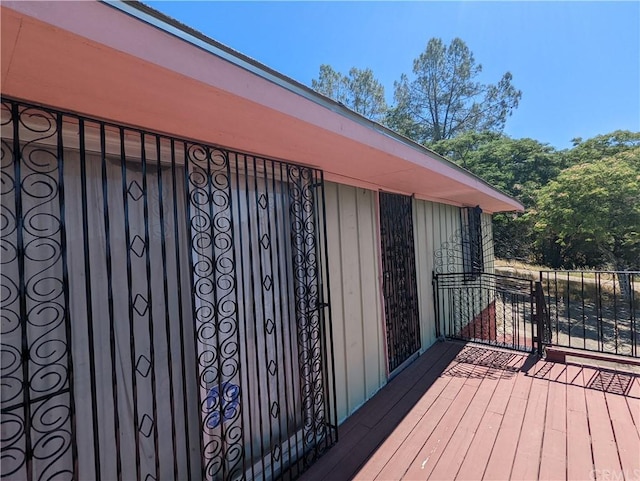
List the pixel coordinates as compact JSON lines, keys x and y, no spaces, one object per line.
{"x":451,"y":257}
{"x":37,"y":412}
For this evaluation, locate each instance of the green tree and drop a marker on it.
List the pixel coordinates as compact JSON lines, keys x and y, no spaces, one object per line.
{"x":592,"y":213}
{"x":359,"y":90}
{"x":600,"y":146}
{"x":445,"y":99}
{"x":519,"y":167}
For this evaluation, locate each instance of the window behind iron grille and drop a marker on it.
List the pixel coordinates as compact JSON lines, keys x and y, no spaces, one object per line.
{"x":163,"y":306}
{"x":472,"y":255}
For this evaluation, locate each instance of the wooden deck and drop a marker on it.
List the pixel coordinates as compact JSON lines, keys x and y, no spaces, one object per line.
{"x":468,"y":412}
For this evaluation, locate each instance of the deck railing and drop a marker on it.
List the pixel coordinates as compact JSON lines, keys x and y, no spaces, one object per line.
{"x":488,"y":308}
{"x":594,"y":310}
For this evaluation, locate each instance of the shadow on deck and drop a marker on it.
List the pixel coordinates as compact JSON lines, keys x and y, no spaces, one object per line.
{"x":464,"y":411}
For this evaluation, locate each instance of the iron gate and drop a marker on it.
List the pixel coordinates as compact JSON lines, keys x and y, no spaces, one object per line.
{"x":487,"y":308}
{"x":164,"y":306}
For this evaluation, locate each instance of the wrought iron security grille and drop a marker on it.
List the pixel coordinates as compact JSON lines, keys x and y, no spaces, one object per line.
{"x":457,"y":253}
{"x":164,"y":306}
{"x":472,"y":242}
{"x":399,"y":278}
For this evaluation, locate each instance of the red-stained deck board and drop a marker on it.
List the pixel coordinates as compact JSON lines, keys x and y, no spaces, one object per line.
{"x":377,"y":419}
{"x":579,"y":456}
{"x":475,"y":459}
{"x":430,"y":450}
{"x":449,"y":401}
{"x":374,"y":465}
{"x":626,"y":433}
{"x":398,"y":387}
{"x":604,"y":448}
{"x":457,"y":447}
{"x":634,"y":408}
{"x":633,"y":400}
{"x":527,"y":460}
{"x":504,"y":449}
{"x":553,"y":460}
{"x":471,"y":413}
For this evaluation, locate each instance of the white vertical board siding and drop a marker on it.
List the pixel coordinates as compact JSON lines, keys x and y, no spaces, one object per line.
{"x":358,"y":337}
{"x":434,"y":224}
{"x":487,"y":239}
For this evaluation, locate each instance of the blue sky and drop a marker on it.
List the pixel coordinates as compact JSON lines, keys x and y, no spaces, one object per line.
{"x":577,"y":63}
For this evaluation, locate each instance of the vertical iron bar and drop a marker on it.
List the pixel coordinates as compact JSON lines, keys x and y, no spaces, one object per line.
{"x":531,"y":313}
{"x":584,"y":325}
{"x":555,"y":283}
{"x":322,"y":347}
{"x":569,"y":306}
{"x":112,"y":342}
{"x":264,"y":307}
{"x":132,"y":346}
{"x":327,"y":305}
{"x":247,"y":394}
{"x":539,"y":317}
{"x":20,"y":256}
{"x":275,"y":302}
{"x":503,"y":317}
{"x":473,"y":314}
{"x":453,"y":294}
{"x":167,"y":320}
{"x":436,"y":300}
{"x":539,"y":320}
{"x":599,"y":312}
{"x":88,"y":299}
{"x":65,"y":283}
{"x":634,"y":341}
{"x":176,"y":235}
{"x":22,"y":292}
{"x":253,"y":307}
{"x":145,"y":206}
{"x":309,"y":316}
{"x":615,"y":309}
{"x":515,"y":316}
{"x":492,"y":322}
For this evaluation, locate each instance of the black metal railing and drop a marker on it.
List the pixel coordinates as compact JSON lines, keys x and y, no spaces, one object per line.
{"x":594,"y":310}
{"x":543,"y":319}
{"x":487,"y":308}
{"x":164,"y":306}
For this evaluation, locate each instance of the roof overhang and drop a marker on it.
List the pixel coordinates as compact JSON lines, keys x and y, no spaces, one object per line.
{"x":129,"y":64}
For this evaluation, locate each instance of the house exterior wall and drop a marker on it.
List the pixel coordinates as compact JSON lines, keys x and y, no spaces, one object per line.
{"x":356,"y":310}
{"x":357,"y":348}
{"x":488,"y":247}
{"x":285,"y":125}
{"x":360,"y":356}
{"x":434,"y":225}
